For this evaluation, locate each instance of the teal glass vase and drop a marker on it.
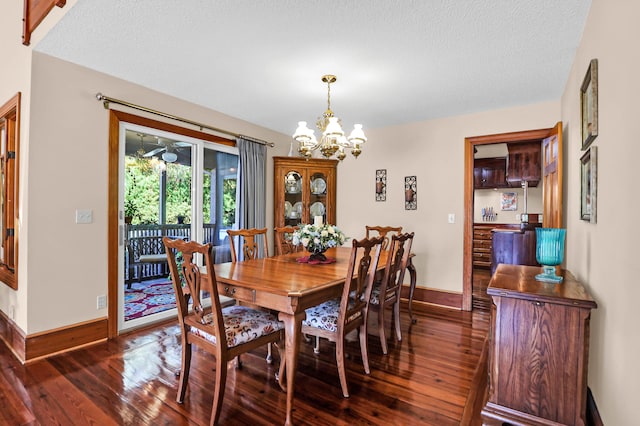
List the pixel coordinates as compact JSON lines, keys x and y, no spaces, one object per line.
{"x":550,"y":252}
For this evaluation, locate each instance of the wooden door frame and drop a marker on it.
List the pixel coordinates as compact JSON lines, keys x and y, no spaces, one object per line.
{"x":469,"y":145}
{"x":114,"y":221}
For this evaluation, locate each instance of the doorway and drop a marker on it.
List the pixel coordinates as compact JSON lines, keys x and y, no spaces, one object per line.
{"x":175,"y":182}
{"x":551,"y":140}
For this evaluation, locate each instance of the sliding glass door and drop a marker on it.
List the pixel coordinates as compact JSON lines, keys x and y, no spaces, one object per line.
{"x":175,"y":186}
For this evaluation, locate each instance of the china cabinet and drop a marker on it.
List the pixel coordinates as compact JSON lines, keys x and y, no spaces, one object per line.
{"x":304,"y":189}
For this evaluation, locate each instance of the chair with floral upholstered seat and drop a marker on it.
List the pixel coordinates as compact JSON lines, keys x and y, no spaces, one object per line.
{"x":223,"y":332}
{"x":284,"y":240}
{"x":335,"y":318}
{"x":386,"y":292}
{"x":385,"y":232}
{"x":250,"y":246}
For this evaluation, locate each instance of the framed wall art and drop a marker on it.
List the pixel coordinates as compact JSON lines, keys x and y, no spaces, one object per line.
{"x":589,"y":184}
{"x":509,"y":201}
{"x":381,"y":185}
{"x":411,"y":193}
{"x":589,"y":105}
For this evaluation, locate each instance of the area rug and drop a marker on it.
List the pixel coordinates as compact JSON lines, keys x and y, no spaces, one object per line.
{"x":148,"y":297}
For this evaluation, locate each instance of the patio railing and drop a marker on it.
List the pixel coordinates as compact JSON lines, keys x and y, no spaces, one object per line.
{"x":145,"y":240}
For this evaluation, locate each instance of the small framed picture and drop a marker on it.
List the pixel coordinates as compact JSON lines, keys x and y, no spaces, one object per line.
{"x":381,"y":185}
{"x":589,"y":184}
{"x":509,"y":201}
{"x":411,"y":193}
{"x":589,"y":105}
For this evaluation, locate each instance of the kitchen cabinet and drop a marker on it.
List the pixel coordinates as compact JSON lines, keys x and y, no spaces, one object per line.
{"x":524,"y":163}
{"x":489,"y":173}
{"x":304,"y":189}
{"x":538,"y":349}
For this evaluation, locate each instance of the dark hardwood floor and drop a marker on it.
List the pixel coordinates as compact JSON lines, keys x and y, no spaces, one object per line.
{"x":432,"y":377}
{"x":480,"y":282}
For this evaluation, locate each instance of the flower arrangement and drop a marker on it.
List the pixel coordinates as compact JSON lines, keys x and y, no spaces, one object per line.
{"x":318,"y":238}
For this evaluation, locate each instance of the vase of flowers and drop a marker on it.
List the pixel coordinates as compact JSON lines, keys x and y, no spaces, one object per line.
{"x":317,"y":239}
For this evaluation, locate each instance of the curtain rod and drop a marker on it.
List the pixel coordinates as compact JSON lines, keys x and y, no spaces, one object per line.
{"x":106,"y":100}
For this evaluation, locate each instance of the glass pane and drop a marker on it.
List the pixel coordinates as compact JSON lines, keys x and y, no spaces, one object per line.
{"x":219,"y":197}
{"x":318,"y":201}
{"x":293,"y":198}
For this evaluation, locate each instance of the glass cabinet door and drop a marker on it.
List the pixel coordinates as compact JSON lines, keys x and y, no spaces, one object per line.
{"x":293,"y":204}
{"x":318,"y":196}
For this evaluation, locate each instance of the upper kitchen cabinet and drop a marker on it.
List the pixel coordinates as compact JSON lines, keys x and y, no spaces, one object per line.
{"x":524,"y":163}
{"x":304,"y":189}
{"x":489,"y":173}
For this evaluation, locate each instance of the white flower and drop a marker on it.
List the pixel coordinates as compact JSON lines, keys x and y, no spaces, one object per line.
{"x":318,"y":238}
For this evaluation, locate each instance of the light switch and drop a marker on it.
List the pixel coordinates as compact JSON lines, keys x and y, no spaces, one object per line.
{"x":84,"y":216}
{"x":452,"y":218}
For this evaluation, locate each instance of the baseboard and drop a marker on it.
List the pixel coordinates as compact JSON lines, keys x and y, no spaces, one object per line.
{"x":449,"y":299}
{"x":41,"y":345}
{"x":12,"y":336}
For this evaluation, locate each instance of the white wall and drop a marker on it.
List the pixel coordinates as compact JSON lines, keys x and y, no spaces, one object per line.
{"x":68,"y":171}
{"x":434,"y":152}
{"x":604,"y":256}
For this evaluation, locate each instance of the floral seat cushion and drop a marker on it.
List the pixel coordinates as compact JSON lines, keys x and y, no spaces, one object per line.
{"x":325,"y":316}
{"x":242,"y":324}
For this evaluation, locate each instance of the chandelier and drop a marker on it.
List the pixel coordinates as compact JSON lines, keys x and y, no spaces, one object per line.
{"x":333,"y":140}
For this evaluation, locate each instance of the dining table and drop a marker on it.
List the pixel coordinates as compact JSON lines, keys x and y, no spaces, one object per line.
{"x":284,"y":284}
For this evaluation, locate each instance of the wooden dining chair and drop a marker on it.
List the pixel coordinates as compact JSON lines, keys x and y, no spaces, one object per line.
{"x":386,"y":293}
{"x":250,"y":246}
{"x":334,"y":319}
{"x":248,"y":241}
{"x":223,"y":332}
{"x":284,"y":240}
{"x":384,"y":231}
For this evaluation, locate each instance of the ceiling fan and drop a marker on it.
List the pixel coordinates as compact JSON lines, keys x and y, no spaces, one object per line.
{"x":168,"y":147}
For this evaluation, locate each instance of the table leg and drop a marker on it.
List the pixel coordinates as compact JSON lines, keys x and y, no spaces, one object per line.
{"x":412,"y":287}
{"x":292,"y":331}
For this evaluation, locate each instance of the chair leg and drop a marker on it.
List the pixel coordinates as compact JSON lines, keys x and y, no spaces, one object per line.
{"x":396,"y":315}
{"x":316,"y":347}
{"x":381,"y":332}
{"x":340,"y":360}
{"x":218,"y":395}
{"x":184,"y":372}
{"x":364,"y":348}
{"x":269,"y":355}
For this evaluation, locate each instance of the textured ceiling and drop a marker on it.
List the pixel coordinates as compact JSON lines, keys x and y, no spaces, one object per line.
{"x":396,"y":61}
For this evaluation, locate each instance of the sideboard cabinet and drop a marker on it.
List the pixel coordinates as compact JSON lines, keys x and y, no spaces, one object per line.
{"x":538,"y":349}
{"x":304,"y":189}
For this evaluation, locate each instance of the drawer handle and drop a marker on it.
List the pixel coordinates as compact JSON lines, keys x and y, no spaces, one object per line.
{"x":233,"y":290}
{"x":538,"y":303}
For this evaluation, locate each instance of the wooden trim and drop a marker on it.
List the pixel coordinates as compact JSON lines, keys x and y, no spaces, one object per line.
{"x":50,"y":342}
{"x":172,"y":128}
{"x":12,"y":336}
{"x":469,"y":144}
{"x":62,"y":339}
{"x":449,"y":299}
{"x":34,"y":12}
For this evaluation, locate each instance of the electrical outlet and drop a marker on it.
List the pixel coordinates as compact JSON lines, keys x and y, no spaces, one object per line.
{"x":452,"y":218}
{"x":12,"y":312}
{"x":84,"y":216}
{"x":102,"y":302}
